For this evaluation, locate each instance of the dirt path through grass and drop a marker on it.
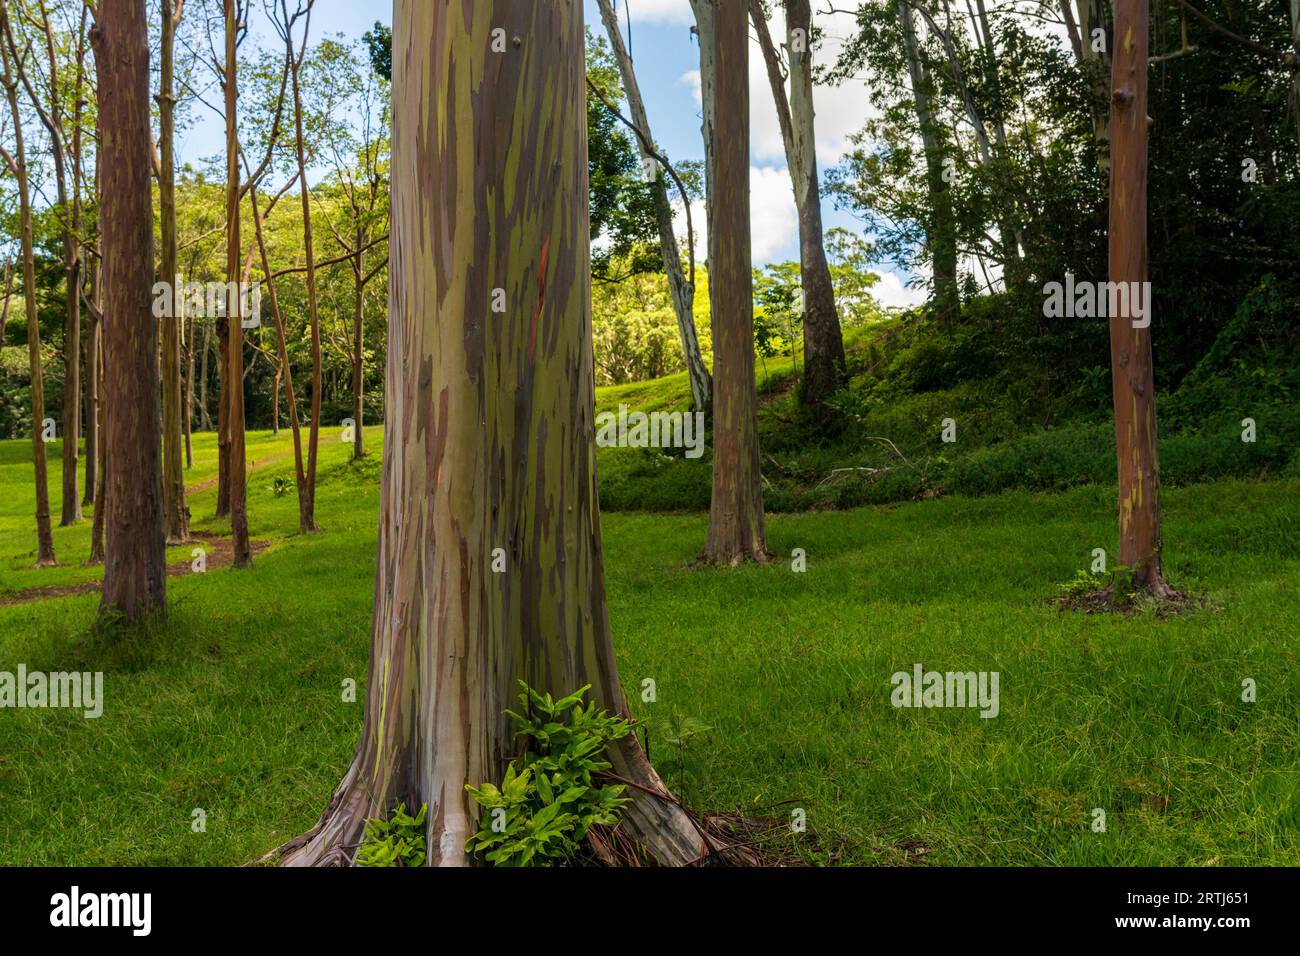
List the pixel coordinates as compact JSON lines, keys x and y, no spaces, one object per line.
{"x":210,"y":483}
{"x":220,"y":554}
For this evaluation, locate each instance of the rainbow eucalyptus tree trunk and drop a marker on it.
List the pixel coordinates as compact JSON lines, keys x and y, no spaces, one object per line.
{"x":736,"y":512}
{"x":490,"y":430}
{"x":1130,"y":340}
{"x":233,"y":395}
{"x":134,"y":568}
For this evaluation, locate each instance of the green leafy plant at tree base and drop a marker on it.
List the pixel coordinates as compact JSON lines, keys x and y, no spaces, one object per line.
{"x":1085,"y":583}
{"x":549,"y":800}
{"x":397,"y":841}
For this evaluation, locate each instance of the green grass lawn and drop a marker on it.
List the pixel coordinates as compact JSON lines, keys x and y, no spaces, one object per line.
{"x":235,"y":705}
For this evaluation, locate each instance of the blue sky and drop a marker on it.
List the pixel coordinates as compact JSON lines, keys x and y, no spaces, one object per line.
{"x":667,"y":64}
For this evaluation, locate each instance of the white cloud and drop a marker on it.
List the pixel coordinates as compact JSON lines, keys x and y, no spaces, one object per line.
{"x":658,"y":11}
{"x":891,"y":292}
{"x":841,"y":111}
{"x":774,"y":222}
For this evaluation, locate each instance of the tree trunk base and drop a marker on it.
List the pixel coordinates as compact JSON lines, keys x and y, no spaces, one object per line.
{"x":655,"y":827}
{"x":733,"y":557}
{"x":1156,"y":596}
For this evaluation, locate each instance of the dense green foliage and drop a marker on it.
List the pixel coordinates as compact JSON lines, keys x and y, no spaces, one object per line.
{"x":550,"y":796}
{"x":398,"y":841}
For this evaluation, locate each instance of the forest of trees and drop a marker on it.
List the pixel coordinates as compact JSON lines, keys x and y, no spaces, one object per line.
{"x":460,"y":227}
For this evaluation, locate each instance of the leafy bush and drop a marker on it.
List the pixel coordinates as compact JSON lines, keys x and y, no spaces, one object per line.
{"x":397,"y":841}
{"x":549,"y":799}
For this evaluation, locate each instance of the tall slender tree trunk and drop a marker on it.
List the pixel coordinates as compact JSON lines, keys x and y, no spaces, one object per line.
{"x":941,"y":230}
{"x":233,"y":396}
{"x":87,"y":386}
{"x":51,"y":112}
{"x":300,"y":475}
{"x":1295,"y":66}
{"x":680,"y":288}
{"x":824,"y":358}
{"x":275,"y":400}
{"x":134,"y":569}
{"x":205,"y":416}
{"x":91,"y":411}
{"x":71,"y":507}
{"x":307,"y":499}
{"x":17,"y":164}
{"x":4,"y":304}
{"x":1130,"y":346}
{"x":736,"y":512}
{"x":94,"y":395}
{"x":189,"y":391}
{"x":101,"y":469}
{"x":705,"y":15}
{"x":222,"y":326}
{"x":175,"y":509}
{"x":1095,"y":59}
{"x":358,"y":350}
{"x":490,"y":429}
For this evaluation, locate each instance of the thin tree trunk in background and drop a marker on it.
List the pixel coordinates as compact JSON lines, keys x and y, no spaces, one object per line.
{"x":1295,"y":68}
{"x":69,"y":210}
{"x":824,"y":358}
{"x":134,"y":569}
{"x":705,"y":15}
{"x":300,"y":475}
{"x":4,"y":306}
{"x":222,"y":326}
{"x":233,"y":395}
{"x":95,"y":368}
{"x":189,"y":391}
{"x":358,"y":352}
{"x":472,"y":407}
{"x":176,"y":513}
{"x":95,"y":393}
{"x":91,"y":411}
{"x":101,"y":469}
{"x":680,"y":288}
{"x":17,"y":164}
{"x":940,"y":232}
{"x":73,"y":349}
{"x":1010,"y":232}
{"x":736,"y":513}
{"x":1096,"y":63}
{"x":1131,"y":366}
{"x":205,"y":417}
{"x":275,"y":400}
{"x":307,"y":501}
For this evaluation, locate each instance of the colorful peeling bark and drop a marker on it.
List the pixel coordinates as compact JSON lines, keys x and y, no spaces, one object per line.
{"x":490,"y":432}
{"x":736,"y":529}
{"x":1130,"y":342}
